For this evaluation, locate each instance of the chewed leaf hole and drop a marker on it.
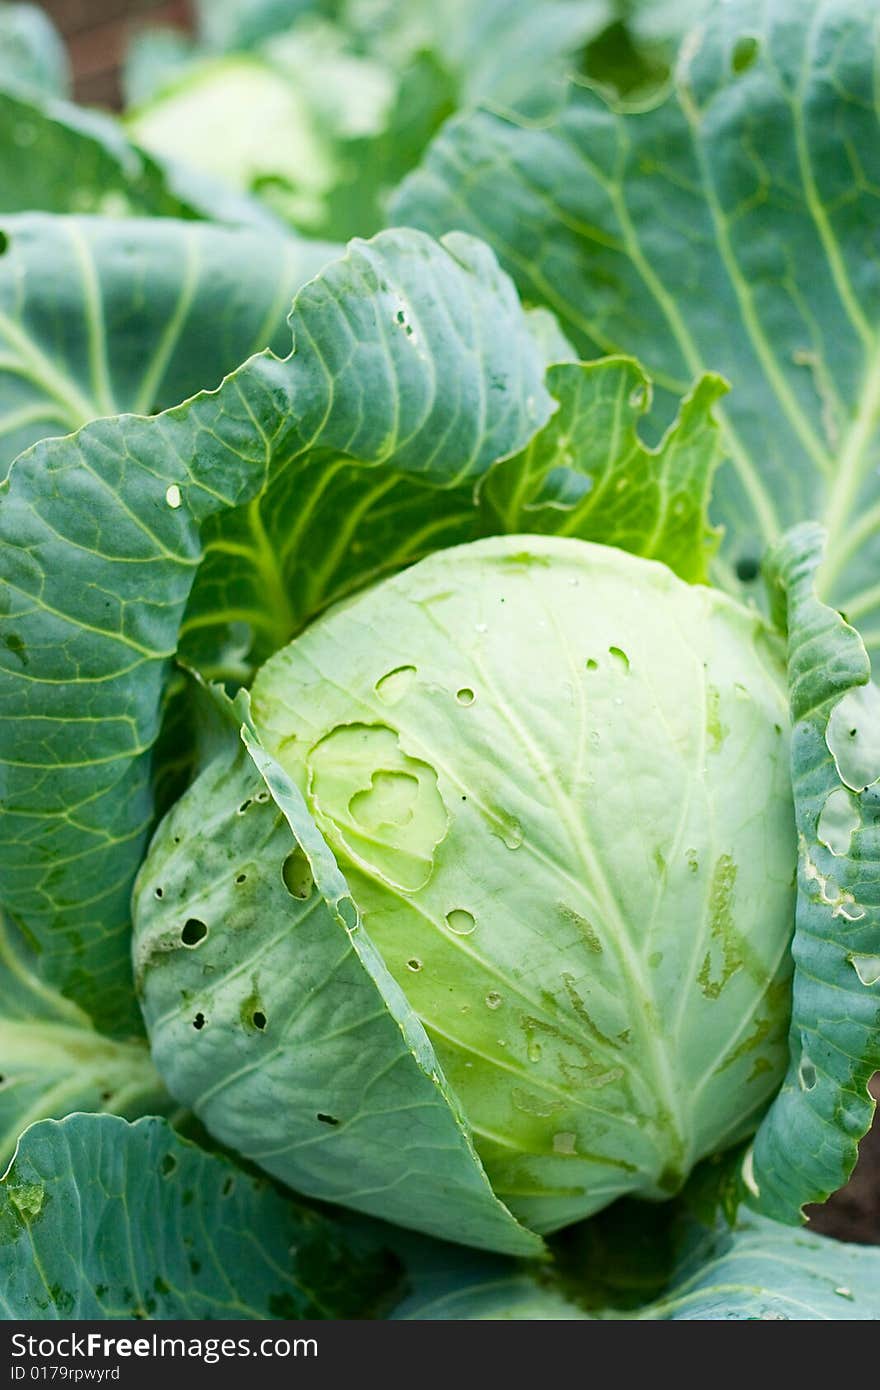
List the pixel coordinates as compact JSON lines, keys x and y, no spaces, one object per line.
{"x":620,"y":656}
{"x":414,"y":964}
{"x":4,"y":243}
{"x":853,"y":737}
{"x":748,"y":567}
{"x":327,"y":1119}
{"x":241,"y":878}
{"x":745,"y":51}
{"x":460,"y":921}
{"x":807,"y":1075}
{"x":159,"y":892}
{"x":243,"y":807}
{"x":867,"y":968}
{"x":259,"y":1020}
{"x":394,"y":684}
{"x":193,"y":932}
{"x":199,"y":1021}
{"x":465,"y":696}
{"x":168,"y":1165}
{"x":297,"y":874}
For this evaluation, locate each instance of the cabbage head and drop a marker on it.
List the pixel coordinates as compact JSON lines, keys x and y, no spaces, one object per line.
{"x":556,"y":781}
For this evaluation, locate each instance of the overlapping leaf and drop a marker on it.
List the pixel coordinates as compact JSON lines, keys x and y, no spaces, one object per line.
{"x":103,"y":1219}
{"x":100,"y":316}
{"x":588,"y":473}
{"x":414,"y":371}
{"x":806,"y":1146}
{"x":757,"y":1271}
{"x":272,"y":1015}
{"x":57,"y":157}
{"x":725,"y":229}
{"x":32,"y":55}
{"x":54,"y":1061}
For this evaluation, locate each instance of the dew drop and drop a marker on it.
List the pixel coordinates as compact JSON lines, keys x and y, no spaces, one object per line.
{"x":460,"y":921}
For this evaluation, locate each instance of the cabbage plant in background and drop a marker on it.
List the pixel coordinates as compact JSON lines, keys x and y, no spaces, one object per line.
{"x":437,"y":775}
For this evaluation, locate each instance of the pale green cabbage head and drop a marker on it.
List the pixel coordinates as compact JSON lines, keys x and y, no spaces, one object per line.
{"x":556,"y":779}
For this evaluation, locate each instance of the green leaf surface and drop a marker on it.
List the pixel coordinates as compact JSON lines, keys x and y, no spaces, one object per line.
{"x":103,"y":1219}
{"x":57,"y":157}
{"x":726,"y":228}
{"x":588,"y":473}
{"x":272,"y":1015}
{"x":414,"y":370}
{"x":53,"y":1060}
{"x":807,"y":1144}
{"x":32,"y":55}
{"x":101,"y":316}
{"x":757,"y":1271}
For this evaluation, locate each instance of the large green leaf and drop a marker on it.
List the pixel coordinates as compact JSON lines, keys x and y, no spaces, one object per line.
{"x":32,"y":55}
{"x":727,"y":228}
{"x":99,"y":316}
{"x":759,"y":1270}
{"x":807,"y":1144}
{"x":54,"y":1061}
{"x":272,"y":1015}
{"x":589,"y":474}
{"x":414,"y":370}
{"x":103,"y":1219}
{"x":57,"y":157}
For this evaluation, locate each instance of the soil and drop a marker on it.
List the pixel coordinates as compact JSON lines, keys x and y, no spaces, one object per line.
{"x":853,"y":1213}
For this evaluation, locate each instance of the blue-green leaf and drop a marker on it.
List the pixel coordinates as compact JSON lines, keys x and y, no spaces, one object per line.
{"x":724,"y":228}
{"x":807,"y":1144}
{"x":100,"y":315}
{"x":103,"y":1219}
{"x":414,"y":371}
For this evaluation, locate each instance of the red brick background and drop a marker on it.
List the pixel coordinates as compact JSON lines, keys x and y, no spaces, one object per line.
{"x":97,"y":33}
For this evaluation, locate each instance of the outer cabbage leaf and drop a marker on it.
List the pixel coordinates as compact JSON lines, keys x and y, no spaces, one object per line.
{"x":101,"y":1219}
{"x":57,"y":157}
{"x":808,"y":1142}
{"x":273,"y":1017}
{"x":32,"y":55}
{"x":54,"y":1061}
{"x":99,"y":316}
{"x":589,"y":474}
{"x":756,"y":1271}
{"x":761,"y":1270}
{"x":414,"y":370}
{"x":722,"y":229}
